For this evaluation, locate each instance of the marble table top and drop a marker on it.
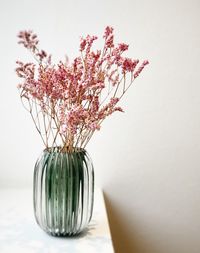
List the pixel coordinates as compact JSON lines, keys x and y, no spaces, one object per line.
{"x":19,"y":232}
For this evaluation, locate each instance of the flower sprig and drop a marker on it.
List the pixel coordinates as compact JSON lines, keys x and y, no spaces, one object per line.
{"x":69,"y":101}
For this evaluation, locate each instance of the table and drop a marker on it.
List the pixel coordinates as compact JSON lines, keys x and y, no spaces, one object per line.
{"x":19,"y":231}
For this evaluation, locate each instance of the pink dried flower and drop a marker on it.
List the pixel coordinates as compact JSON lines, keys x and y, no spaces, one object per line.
{"x":129,"y":65}
{"x":73,"y":98}
{"x":42,"y":55}
{"x":95,"y":104}
{"x":119,"y":109}
{"x":109,"y":37}
{"x":26,"y":71}
{"x":113,"y":101}
{"x":94,"y":126}
{"x":82,"y":44}
{"x":28,"y":39}
{"x":110,"y":41}
{"x":108,"y":31}
{"x":136,"y":74}
{"x":123,"y":47}
{"x":89,"y":42}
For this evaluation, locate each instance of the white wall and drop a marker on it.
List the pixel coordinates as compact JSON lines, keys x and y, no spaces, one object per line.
{"x":147,"y":160}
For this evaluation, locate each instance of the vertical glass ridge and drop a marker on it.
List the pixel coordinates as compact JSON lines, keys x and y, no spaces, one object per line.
{"x":63,"y":191}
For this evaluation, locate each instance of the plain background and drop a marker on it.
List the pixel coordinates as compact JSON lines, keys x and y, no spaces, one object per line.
{"x":147,"y":160}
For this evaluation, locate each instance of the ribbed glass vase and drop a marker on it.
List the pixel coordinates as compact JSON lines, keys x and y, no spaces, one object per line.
{"x":63,"y":191}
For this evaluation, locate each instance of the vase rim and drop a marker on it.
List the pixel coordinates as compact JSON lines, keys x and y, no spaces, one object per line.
{"x":59,"y":149}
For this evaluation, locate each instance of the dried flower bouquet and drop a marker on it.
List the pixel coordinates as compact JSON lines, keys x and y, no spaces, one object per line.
{"x":69,"y":101}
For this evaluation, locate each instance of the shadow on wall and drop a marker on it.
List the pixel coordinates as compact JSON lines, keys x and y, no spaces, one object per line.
{"x":123,"y":240}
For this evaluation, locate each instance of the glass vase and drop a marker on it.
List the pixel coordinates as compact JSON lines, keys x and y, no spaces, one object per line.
{"x":63,"y":191}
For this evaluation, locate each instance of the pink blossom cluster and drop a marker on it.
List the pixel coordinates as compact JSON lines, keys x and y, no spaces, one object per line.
{"x":30,"y":41}
{"x":79,"y":95}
